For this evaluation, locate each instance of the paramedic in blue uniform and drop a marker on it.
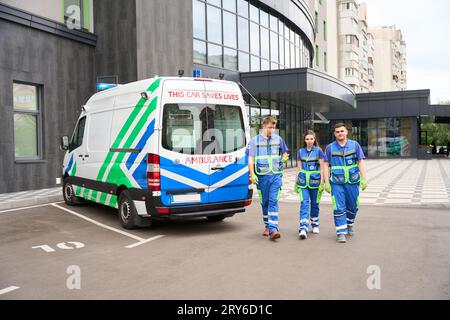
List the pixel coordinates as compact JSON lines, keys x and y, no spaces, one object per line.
{"x":344,"y":173}
{"x":309,"y":184}
{"x":266,"y":154}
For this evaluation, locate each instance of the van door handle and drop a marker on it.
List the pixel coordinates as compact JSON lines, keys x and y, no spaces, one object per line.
{"x":86,"y":156}
{"x":217,"y":168}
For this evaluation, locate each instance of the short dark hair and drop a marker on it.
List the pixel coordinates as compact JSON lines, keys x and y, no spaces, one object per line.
{"x":339,"y":125}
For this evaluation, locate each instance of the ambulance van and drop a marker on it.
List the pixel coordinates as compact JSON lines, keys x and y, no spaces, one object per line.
{"x":161,"y":148}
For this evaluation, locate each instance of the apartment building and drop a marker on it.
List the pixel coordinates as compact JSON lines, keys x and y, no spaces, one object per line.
{"x":389,"y":58}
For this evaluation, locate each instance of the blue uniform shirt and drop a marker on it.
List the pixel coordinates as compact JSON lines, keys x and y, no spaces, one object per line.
{"x":299,"y":157}
{"x":251,"y":148}
{"x":359,"y":152}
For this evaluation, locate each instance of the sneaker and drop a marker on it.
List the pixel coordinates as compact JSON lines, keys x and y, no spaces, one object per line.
{"x":275,"y":235}
{"x":350,"y":231}
{"x":303,"y":235}
{"x":266,"y":233}
{"x":341,"y":238}
{"x":315,"y":230}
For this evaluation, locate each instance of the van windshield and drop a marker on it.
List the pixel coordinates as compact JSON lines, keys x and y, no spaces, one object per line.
{"x":202,"y":129}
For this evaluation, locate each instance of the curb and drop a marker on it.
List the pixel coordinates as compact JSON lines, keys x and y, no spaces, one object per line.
{"x":17,"y":204}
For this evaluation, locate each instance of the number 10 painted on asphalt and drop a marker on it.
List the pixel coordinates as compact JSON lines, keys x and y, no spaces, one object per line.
{"x":62,"y":245}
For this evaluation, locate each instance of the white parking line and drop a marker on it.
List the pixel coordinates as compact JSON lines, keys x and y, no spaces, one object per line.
{"x":144,"y":241}
{"x":31,"y":207}
{"x":139,"y":239}
{"x":9,"y":289}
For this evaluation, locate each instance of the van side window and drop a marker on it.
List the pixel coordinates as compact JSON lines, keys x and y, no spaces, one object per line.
{"x":77,"y":138}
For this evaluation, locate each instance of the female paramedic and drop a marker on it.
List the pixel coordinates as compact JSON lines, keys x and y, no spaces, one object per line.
{"x":266,"y":154}
{"x":310,"y":183}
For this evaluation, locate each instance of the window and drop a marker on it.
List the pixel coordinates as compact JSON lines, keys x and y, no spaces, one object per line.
{"x":243,"y":8}
{"x":214,"y":55}
{"x":316,"y":21}
{"x":27,"y":121}
{"x":243,"y":34}
{"x":255,"y":64}
{"x":325,"y":30}
{"x":203,"y":129}
{"x":214,"y":24}
{"x":230,"y":59}
{"x":325,"y":62}
{"x":229,"y":27}
{"x":229,"y":5}
{"x":199,"y":52}
{"x":254,"y":13}
{"x":199,"y":20}
{"x":273,"y":46}
{"x":244,"y":62}
{"x":254,"y":38}
{"x":265,"y":49}
{"x":317,"y":56}
{"x":78,"y":135}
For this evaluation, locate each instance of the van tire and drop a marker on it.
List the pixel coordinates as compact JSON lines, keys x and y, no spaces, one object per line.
{"x":217,"y":218}
{"x":69,"y":195}
{"x":128,"y":216}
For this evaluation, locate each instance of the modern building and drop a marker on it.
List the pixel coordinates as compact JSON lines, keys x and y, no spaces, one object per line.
{"x":53,"y":53}
{"x":389,"y":59}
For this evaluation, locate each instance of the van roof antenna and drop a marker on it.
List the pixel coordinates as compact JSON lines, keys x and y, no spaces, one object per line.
{"x":240,"y":84}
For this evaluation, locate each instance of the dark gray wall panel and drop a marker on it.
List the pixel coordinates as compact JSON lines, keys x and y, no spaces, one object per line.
{"x":164,"y":37}
{"x":65,"y":70}
{"x":115,"y":25}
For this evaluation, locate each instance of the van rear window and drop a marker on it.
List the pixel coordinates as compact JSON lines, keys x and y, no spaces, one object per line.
{"x":203,"y":129}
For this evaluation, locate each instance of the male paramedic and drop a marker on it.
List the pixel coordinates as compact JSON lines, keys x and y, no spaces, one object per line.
{"x":266,"y":154}
{"x":344,"y":174}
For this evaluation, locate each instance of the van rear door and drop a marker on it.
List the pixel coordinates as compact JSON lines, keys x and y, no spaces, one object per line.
{"x":227,"y":140}
{"x":183,"y":122}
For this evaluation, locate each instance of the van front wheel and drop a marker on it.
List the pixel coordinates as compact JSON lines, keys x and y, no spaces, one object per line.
{"x":69,"y":195}
{"x":128,"y":216}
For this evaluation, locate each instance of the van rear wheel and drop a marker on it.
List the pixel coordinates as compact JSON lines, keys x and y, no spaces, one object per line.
{"x":69,"y":195}
{"x":128,"y":216}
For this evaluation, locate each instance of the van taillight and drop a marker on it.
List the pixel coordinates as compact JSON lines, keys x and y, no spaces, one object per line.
{"x":153,"y":172}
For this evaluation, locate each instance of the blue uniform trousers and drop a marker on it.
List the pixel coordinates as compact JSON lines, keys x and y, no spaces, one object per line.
{"x":309,"y":208}
{"x":345,"y":198}
{"x":269,"y":187}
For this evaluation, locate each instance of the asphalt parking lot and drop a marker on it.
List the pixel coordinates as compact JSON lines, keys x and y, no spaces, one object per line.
{"x":44,"y":248}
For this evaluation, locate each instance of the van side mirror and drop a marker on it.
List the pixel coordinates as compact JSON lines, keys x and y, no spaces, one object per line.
{"x":64,"y":143}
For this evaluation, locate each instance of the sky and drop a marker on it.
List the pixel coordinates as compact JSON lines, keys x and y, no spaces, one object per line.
{"x":425,"y":26}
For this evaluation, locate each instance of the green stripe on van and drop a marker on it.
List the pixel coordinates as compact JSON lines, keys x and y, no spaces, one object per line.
{"x":125,"y":128}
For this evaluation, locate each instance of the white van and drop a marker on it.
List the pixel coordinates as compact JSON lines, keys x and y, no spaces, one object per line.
{"x":160,"y":148}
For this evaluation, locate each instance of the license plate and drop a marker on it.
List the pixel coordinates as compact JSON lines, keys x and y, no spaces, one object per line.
{"x":186,"y":198}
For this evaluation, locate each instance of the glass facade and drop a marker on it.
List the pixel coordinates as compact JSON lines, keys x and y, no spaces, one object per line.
{"x":379,"y":138}
{"x":248,"y":38}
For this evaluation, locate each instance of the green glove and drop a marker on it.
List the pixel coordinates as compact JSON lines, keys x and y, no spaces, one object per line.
{"x":285,"y":158}
{"x":328,"y":187}
{"x":321,"y":187}
{"x":255,"y":179}
{"x":296,"y":188}
{"x":363,"y":184}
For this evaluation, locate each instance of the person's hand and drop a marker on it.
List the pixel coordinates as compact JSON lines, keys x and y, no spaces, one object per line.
{"x":285,"y":158}
{"x":255,"y":179}
{"x":328,"y":187}
{"x":321,"y":187}
{"x":363,"y":184}
{"x":296,"y":188}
